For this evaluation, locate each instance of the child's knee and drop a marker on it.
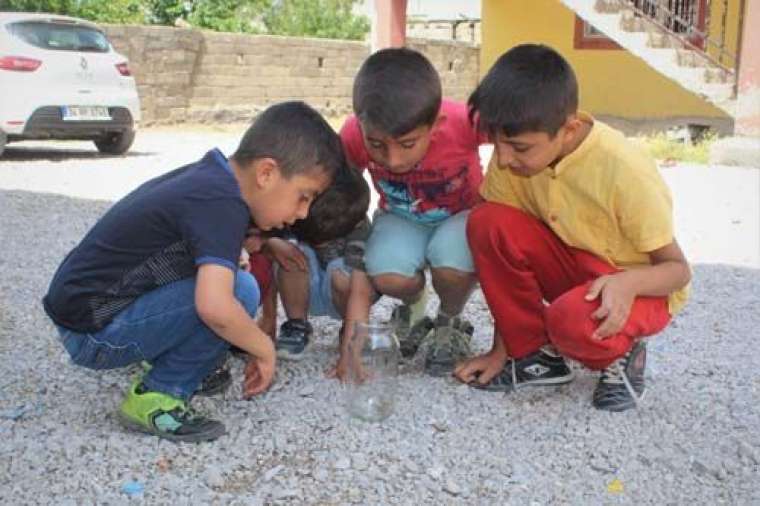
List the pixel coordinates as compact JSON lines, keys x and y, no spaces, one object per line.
{"x":247,"y":291}
{"x":568,"y":321}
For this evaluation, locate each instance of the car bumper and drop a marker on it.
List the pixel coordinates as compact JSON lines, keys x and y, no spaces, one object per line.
{"x":48,"y":123}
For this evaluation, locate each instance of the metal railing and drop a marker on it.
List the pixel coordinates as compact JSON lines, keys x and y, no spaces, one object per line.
{"x":689,"y":22}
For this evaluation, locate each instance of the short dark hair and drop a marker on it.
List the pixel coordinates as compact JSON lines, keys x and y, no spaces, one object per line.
{"x":296,"y":136}
{"x":336,"y":211}
{"x":530,"y":88}
{"x":397,"y":90}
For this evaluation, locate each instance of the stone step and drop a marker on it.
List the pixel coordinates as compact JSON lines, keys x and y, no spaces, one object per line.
{"x":609,"y":6}
{"x":630,"y":22}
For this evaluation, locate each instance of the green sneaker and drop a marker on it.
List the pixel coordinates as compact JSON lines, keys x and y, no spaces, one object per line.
{"x":450,"y":344}
{"x":165,"y":416}
{"x":411,"y":325}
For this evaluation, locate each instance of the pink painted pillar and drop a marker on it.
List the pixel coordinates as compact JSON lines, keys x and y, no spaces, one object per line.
{"x":748,"y":96}
{"x":390,"y":24}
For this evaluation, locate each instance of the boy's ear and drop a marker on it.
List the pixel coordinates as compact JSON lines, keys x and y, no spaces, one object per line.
{"x":571,"y":127}
{"x":265,"y":170}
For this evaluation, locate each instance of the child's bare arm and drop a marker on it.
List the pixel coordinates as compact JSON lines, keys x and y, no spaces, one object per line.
{"x":268,"y":320}
{"x":668,"y":272}
{"x":360,"y":297}
{"x":221,"y":311}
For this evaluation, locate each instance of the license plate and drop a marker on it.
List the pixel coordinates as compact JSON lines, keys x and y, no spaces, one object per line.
{"x":85,"y":113}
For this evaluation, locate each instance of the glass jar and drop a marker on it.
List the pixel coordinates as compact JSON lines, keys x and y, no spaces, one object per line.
{"x":373,"y":358}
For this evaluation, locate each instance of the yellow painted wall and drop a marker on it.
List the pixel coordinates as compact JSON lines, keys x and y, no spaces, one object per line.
{"x":612,"y":82}
{"x":729,"y":37}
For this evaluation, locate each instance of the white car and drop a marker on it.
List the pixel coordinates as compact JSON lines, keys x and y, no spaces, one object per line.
{"x":60,"y":78}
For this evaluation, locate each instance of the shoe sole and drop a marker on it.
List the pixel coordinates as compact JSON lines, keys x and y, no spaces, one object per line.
{"x":551,"y":382}
{"x":293,"y":357}
{"x":620,"y":407}
{"x":130,"y":424}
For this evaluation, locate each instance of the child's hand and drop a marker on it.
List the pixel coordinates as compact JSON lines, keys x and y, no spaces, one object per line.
{"x":287,"y":255}
{"x":480,"y":369}
{"x":617,"y":297}
{"x":259,"y":374}
{"x":253,"y":241}
{"x":339,"y":371}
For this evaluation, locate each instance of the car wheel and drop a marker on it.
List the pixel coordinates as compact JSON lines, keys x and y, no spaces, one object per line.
{"x":3,"y":142}
{"x":116,"y":143}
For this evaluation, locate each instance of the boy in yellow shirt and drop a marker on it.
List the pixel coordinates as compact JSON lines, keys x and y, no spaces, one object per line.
{"x":574,"y":246}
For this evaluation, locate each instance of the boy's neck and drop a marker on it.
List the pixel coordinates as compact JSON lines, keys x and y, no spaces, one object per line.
{"x":580,"y":134}
{"x":244,"y":181}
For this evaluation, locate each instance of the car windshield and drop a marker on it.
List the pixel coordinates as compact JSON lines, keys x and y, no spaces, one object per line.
{"x":60,"y":36}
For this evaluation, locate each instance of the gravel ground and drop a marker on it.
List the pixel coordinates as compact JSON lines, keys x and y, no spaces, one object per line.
{"x":695,"y":439}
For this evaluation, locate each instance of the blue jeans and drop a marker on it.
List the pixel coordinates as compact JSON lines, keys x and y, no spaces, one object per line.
{"x":162,"y":327}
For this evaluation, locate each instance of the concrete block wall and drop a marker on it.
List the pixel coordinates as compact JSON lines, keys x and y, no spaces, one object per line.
{"x":193,"y":75}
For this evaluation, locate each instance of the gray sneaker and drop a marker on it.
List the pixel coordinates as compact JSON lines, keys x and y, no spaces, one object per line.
{"x":450,"y":343}
{"x":409,"y":336}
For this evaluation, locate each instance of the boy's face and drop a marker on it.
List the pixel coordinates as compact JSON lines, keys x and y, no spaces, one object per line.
{"x":528,"y":153}
{"x":398,"y":154}
{"x":281,"y":201}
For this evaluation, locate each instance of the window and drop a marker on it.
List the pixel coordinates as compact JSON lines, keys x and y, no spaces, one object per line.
{"x":60,"y":37}
{"x":588,"y":37}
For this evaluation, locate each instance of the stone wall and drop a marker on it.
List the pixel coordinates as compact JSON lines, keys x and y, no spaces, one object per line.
{"x":193,"y":75}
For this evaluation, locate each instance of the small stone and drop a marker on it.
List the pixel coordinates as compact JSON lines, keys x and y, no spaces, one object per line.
{"x":273,"y":472}
{"x":321,"y":474}
{"x":306,"y":391}
{"x":748,"y":452}
{"x":286,"y":493}
{"x":342,"y":464}
{"x":435,"y":472}
{"x":452,"y":488}
{"x":213,"y":477}
{"x":354,"y":494}
{"x":411,"y":466}
{"x":163,"y":464}
{"x":359,"y":462}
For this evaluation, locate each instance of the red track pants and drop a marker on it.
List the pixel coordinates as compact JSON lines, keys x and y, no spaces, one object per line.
{"x":520,"y":263}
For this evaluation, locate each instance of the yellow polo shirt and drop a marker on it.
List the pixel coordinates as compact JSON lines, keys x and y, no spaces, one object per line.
{"x":606,"y":197}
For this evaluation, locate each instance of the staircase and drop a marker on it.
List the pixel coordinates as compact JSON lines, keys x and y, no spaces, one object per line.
{"x":634,"y":26}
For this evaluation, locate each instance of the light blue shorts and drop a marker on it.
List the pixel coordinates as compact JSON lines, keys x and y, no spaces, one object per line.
{"x":400,"y":246}
{"x":320,"y":283}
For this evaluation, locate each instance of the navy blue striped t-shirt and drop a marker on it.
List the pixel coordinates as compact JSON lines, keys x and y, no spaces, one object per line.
{"x":158,"y":234}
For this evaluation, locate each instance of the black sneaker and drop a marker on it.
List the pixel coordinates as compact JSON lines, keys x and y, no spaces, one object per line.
{"x":217,"y":382}
{"x":450,"y":344}
{"x":294,"y":339}
{"x":621,"y":385}
{"x":542,"y":368}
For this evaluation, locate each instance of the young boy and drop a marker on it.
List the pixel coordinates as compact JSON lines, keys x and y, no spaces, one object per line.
{"x":422,"y":154}
{"x":157,"y":278}
{"x":576,"y":216}
{"x":316,"y":276}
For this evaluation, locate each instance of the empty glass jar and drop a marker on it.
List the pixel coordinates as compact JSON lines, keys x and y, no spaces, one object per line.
{"x":373,"y":357}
